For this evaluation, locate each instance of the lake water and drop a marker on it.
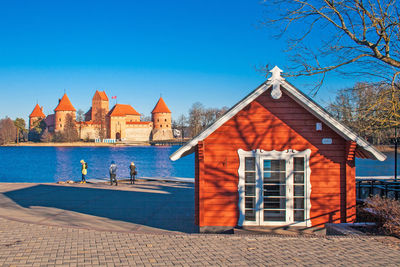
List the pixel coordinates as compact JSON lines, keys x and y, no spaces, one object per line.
{"x":51,"y":164}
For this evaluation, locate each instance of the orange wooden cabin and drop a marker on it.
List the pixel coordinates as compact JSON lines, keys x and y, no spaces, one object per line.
{"x":276,"y":158}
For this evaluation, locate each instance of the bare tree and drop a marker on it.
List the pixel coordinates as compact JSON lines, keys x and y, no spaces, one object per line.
{"x":195,"y":118}
{"x":8,"y":131}
{"x":70,"y":133}
{"x":100,"y":119}
{"x":352,"y":37}
{"x":355,"y":36}
{"x":359,"y":109}
{"x":80,"y":115}
{"x":181,"y":125}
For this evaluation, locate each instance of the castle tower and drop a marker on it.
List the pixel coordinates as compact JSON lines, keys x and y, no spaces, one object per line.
{"x":100,"y":106}
{"x":36,"y":115}
{"x":161,"y":116}
{"x":63,"y":108}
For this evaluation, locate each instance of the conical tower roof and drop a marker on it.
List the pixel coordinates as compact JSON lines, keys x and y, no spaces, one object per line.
{"x":100,"y":94}
{"x":37,"y":112}
{"x":65,"y":104}
{"x":161,"y":107}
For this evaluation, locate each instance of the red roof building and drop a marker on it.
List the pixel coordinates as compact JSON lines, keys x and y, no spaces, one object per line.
{"x":276,"y":158}
{"x":64,"y":104}
{"x":161,"y":107}
{"x":120,"y":110}
{"x":37,"y":112}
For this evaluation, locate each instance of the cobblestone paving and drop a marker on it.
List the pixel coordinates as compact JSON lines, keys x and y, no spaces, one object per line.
{"x":23,"y":244}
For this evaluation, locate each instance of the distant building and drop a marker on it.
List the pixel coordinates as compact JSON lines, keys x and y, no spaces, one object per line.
{"x":122,"y":122}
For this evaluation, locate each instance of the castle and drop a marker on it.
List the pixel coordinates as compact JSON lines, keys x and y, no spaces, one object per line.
{"x":122,"y":122}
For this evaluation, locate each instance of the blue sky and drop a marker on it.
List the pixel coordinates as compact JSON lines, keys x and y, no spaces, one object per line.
{"x":186,"y":50}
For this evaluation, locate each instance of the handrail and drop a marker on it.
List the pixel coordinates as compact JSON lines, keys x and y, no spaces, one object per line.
{"x":366,"y":187}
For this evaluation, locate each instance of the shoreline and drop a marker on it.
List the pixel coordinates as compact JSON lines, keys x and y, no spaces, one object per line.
{"x":75,"y":144}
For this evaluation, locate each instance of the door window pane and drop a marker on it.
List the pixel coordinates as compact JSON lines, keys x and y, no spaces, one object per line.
{"x":250,"y":215}
{"x":298,"y":164}
{"x":275,"y":190}
{"x":250,"y":190}
{"x":274,"y":165}
{"x":250,"y":164}
{"x":299,"y":190}
{"x":299,"y":178}
{"x":298,"y":203}
{"x":250,"y":202}
{"x":250,"y":177}
{"x":275,"y":177}
{"x":274,"y":203}
{"x":275,"y":215}
{"x":299,"y":215}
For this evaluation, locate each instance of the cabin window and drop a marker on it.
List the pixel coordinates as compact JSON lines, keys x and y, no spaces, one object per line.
{"x":318,"y":126}
{"x":250,"y":188}
{"x":274,"y":187}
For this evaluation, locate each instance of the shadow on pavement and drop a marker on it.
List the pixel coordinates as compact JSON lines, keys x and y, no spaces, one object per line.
{"x":160,"y":206}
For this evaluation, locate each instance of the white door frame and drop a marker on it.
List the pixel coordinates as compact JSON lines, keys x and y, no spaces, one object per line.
{"x":287,"y":155}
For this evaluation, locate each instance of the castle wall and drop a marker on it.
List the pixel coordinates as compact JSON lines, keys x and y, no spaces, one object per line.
{"x":117,"y":127}
{"x":138,"y":132}
{"x":162,"y":134}
{"x":88,"y":131}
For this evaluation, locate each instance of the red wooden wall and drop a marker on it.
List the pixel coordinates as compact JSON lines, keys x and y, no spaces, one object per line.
{"x":271,"y":124}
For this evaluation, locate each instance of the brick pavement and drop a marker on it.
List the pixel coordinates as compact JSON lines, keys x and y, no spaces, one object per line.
{"x":23,"y":244}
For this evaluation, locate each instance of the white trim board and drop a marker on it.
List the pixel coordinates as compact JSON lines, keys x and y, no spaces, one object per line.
{"x":301,"y":99}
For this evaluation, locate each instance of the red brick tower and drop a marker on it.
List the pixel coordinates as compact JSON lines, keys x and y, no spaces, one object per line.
{"x":100,"y":105}
{"x":63,"y":108}
{"x":161,"y":116}
{"x":36,"y":115}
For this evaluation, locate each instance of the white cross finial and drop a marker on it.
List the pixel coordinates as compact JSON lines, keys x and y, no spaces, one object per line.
{"x":276,"y":80}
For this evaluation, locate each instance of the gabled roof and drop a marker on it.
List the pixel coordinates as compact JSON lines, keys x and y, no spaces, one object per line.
{"x":37,"y":112}
{"x":100,"y":94}
{"x":161,"y":107}
{"x":65,"y":104}
{"x":122,"y":110}
{"x":363,"y":148}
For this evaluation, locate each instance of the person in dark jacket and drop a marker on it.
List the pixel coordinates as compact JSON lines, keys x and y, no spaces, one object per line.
{"x":133,"y":172}
{"x":113,"y":173}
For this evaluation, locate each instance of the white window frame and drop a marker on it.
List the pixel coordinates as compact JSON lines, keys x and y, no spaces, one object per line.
{"x":287,"y":155}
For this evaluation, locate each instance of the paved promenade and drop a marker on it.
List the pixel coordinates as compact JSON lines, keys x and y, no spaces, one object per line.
{"x":80,"y":233}
{"x":24,"y":244}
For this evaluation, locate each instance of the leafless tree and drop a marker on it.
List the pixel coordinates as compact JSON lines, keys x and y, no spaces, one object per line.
{"x":80,"y":115}
{"x":8,"y":131}
{"x":352,"y":36}
{"x":70,"y":133}
{"x":364,"y":108}
{"x":195,"y":118}
{"x":100,"y":119}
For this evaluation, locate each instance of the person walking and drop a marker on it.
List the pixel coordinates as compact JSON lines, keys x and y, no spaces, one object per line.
{"x":84,"y":171}
{"x":113,"y":173}
{"x":133,"y":172}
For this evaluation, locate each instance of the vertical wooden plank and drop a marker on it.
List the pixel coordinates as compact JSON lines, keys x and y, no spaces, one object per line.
{"x":350,"y":182}
{"x":200,"y":152}
{"x":196,"y":186}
